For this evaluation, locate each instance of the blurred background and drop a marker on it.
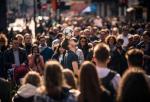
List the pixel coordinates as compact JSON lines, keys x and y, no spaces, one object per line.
{"x":20,"y":11}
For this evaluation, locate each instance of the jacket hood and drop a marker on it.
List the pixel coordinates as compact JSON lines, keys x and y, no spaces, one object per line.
{"x":27,"y":90}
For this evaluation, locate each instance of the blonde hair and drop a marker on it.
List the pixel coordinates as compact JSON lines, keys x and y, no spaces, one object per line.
{"x":4,"y":38}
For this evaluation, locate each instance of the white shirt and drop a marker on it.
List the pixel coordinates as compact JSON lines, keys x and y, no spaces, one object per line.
{"x":125,"y":39}
{"x":103,"y":72}
{"x":80,"y":55}
{"x":16,"y":57}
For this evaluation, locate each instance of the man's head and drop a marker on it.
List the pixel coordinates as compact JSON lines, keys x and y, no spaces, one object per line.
{"x":42,"y":40}
{"x":101,"y":53}
{"x":15,"y":43}
{"x":134,"y":58}
{"x":72,"y":43}
{"x":146,"y":36}
{"x":125,"y":30}
{"x":77,"y":31}
{"x":27,"y":38}
{"x":103,"y":34}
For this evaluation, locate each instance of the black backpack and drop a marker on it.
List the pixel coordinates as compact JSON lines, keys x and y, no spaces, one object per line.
{"x":107,"y":83}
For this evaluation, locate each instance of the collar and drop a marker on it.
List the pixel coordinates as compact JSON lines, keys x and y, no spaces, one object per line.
{"x":102,"y":72}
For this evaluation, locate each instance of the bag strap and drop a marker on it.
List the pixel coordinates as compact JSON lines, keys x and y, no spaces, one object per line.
{"x":109,"y":77}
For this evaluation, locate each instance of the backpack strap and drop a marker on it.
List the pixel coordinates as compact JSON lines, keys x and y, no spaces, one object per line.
{"x":107,"y":81}
{"x":109,"y":77}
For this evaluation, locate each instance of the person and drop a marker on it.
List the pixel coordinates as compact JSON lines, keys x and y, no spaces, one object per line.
{"x":91,"y":91}
{"x":27,"y":91}
{"x":70,"y":78}
{"x":136,"y":40}
{"x":3,"y":48}
{"x":27,"y":30}
{"x":45,"y":51}
{"x":134,"y":87}
{"x":117,"y":61}
{"x":110,"y":79}
{"x":59,"y":54}
{"x":58,"y":39}
{"x":130,"y":42}
{"x":115,"y":31}
{"x":111,"y":41}
{"x":83,"y":45}
{"x":35,"y":60}
{"x":27,"y":43}
{"x":70,"y":58}
{"x":78,"y":51}
{"x":5,"y":89}
{"x":135,"y":58}
{"x":53,"y":90}
{"x":103,"y":34}
{"x":20,"y":40}
{"x":77,"y":32}
{"x":145,"y":46}
{"x":71,"y":82}
{"x":15,"y":56}
{"x":125,"y":35}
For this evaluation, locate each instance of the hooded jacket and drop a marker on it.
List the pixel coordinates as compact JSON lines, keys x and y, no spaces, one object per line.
{"x":25,"y":93}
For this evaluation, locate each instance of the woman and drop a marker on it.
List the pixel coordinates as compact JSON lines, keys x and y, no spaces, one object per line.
{"x":53,"y":90}
{"x":27,"y":91}
{"x":35,"y":60}
{"x":59,"y":54}
{"x":71,"y":82}
{"x":20,"y":40}
{"x":90,"y":87}
{"x":134,"y":87}
{"x":111,"y":41}
{"x":117,"y":61}
{"x":70,"y":78}
{"x":83,"y":45}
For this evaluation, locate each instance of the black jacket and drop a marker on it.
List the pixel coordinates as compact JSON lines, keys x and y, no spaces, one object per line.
{"x":9,"y":57}
{"x":4,"y":90}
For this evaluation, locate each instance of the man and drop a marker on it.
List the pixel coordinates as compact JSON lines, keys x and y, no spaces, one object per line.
{"x":70,"y":58}
{"x":125,"y":36}
{"x":145,"y":46}
{"x":135,"y":58}
{"x":45,"y":51}
{"x":109,"y":78}
{"x":57,"y":40}
{"x":15,"y":56}
{"x":77,"y":32}
{"x":76,"y":50}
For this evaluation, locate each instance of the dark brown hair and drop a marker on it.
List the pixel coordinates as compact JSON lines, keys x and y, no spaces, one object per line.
{"x":135,"y":57}
{"x":89,"y":83}
{"x":134,"y":87}
{"x":102,"y":52}
{"x":53,"y":76}
{"x":35,"y":46}
{"x":70,"y":78}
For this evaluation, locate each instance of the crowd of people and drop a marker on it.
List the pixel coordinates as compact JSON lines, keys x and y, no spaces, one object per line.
{"x":97,"y":60}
